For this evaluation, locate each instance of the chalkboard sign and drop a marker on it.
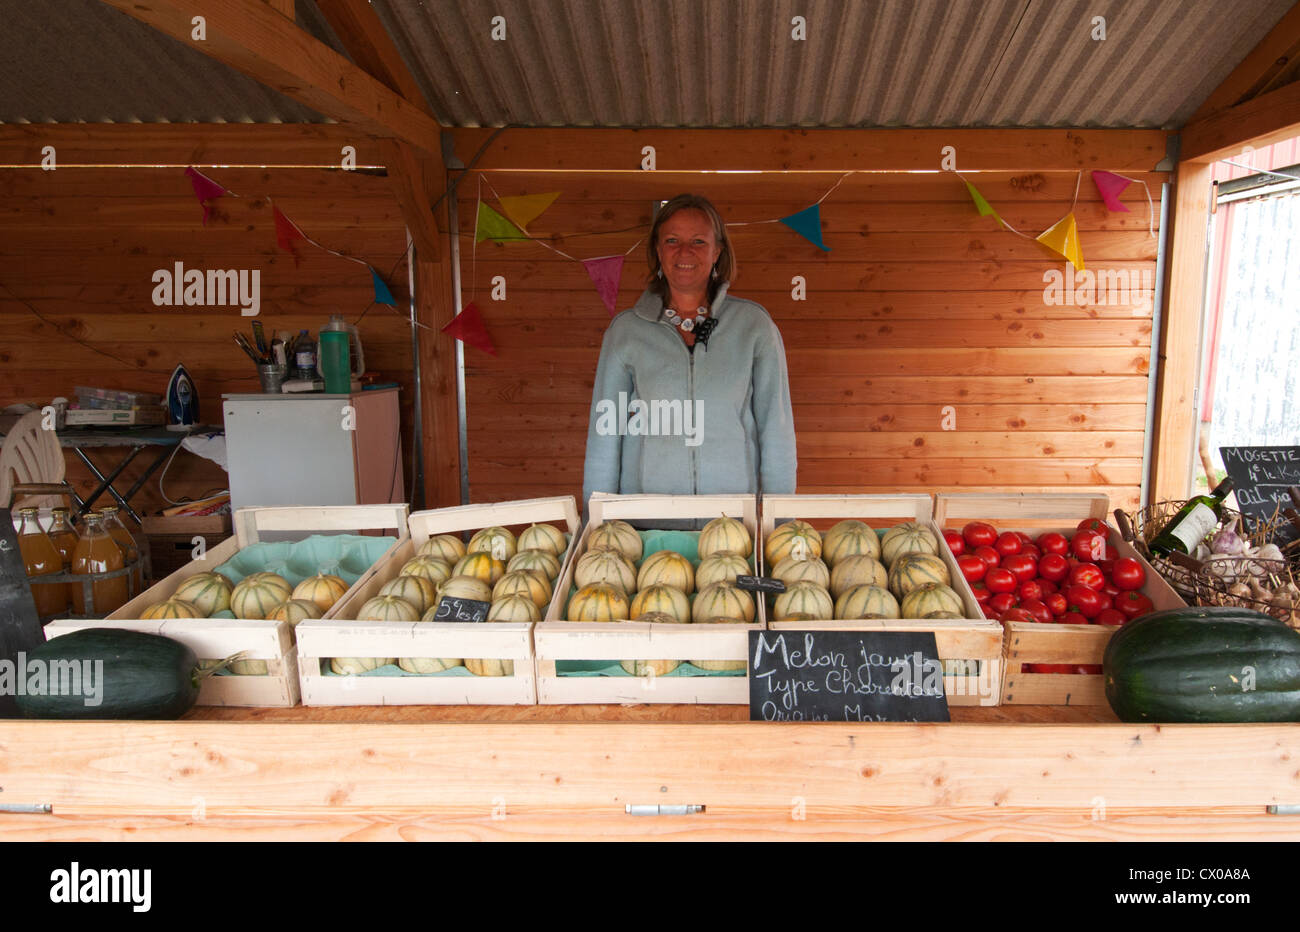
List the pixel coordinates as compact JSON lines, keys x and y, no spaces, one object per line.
{"x":20,"y":626}
{"x":456,"y":608}
{"x":845,"y":676}
{"x":1260,"y":478}
{"x":760,"y":584}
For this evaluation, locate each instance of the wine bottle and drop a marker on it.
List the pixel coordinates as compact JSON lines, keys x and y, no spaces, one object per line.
{"x":1196,"y":519}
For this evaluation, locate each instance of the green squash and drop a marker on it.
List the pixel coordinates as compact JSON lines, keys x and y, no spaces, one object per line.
{"x":1212,"y":664}
{"x":144,"y":676}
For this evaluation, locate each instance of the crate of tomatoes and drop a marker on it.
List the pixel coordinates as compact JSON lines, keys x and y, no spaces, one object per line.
{"x":1059,"y":577}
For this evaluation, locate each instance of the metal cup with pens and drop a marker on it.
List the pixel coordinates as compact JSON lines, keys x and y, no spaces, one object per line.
{"x":272,"y":364}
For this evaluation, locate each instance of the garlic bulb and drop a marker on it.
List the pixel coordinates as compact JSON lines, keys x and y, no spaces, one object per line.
{"x":1228,"y":541}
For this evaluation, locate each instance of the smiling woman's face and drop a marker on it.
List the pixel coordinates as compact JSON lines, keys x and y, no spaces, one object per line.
{"x":687,"y":250}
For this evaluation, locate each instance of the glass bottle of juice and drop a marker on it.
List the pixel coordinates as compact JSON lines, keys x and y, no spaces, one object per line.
{"x":64,"y":535}
{"x":117,"y":530}
{"x":41,"y":558}
{"x":98,"y":553}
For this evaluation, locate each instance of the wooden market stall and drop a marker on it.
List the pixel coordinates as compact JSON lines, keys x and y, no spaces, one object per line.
{"x":926,"y":355}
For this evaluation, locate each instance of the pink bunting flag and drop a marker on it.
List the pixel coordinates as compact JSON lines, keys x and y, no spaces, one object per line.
{"x":1109,"y":185}
{"x":205,"y":189}
{"x":468,"y":327}
{"x":606,"y":273}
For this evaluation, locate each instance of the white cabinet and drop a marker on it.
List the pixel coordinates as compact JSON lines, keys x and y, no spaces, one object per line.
{"x":314,"y":449}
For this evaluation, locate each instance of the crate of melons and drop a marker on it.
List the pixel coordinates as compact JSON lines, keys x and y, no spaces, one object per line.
{"x":864,"y":562}
{"x":385,"y":645}
{"x":245,"y":595}
{"x":1060,"y":578}
{"x":650,"y":610}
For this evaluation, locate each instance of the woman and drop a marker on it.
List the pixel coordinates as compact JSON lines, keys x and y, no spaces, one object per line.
{"x":691,"y":392}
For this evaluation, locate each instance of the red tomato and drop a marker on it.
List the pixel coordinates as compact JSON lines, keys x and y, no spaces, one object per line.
{"x":981,"y":591}
{"x":1128,"y":573}
{"x":1022,"y":566}
{"x":1085,"y":574}
{"x":1110,"y":616}
{"x":1024,"y":538}
{"x":1007,"y":544}
{"x":1052,"y":542}
{"x":1106,"y":601}
{"x":1046,"y":585}
{"x":999,"y":580}
{"x":1133,"y":604}
{"x":1002,"y":603}
{"x":990,"y":556}
{"x":1086,"y":600}
{"x":1031,"y":589}
{"x":979,"y":534}
{"x":1088,"y":546}
{"x":972,"y":567}
{"x":1073,"y":616}
{"x":1110,"y":588}
{"x":1106,"y":567}
{"x":1095,"y":524}
{"x":1017,"y":614}
{"x":1053,"y":567}
{"x":1031,"y":549}
{"x":1056,"y":604}
{"x":956,"y":543}
{"x":1042,"y":614}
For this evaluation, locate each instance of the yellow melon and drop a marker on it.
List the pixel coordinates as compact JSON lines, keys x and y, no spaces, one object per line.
{"x":663,"y":599}
{"x":668,"y":568}
{"x":209,"y":593}
{"x":545,"y":537}
{"x":417,"y":590}
{"x":598,"y":602}
{"x":797,"y":539}
{"x":616,"y":535}
{"x":725,"y":535}
{"x":445,"y":547}
{"x":495,"y":541}
{"x":323,"y":589}
{"x":605,"y":565}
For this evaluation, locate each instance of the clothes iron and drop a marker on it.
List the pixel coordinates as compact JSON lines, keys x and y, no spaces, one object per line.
{"x":182,"y":400}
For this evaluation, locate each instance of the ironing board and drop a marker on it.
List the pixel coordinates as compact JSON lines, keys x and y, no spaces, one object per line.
{"x":136,"y":440}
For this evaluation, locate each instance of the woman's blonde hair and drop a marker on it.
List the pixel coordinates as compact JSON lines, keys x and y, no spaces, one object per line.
{"x":725,"y":267}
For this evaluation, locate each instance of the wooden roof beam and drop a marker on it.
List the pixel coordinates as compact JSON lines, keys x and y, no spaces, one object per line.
{"x":256,"y":39}
{"x":1272,"y":56}
{"x":364,"y":37}
{"x":1260,"y":121}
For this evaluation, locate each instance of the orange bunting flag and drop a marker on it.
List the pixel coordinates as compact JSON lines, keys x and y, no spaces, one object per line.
{"x":467,"y":326}
{"x":1063,"y":238}
{"x":526,"y":208}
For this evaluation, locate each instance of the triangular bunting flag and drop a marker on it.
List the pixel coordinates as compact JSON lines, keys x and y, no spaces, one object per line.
{"x":468,"y":327}
{"x":981,"y":205}
{"x":606,"y":272}
{"x":285,"y":233}
{"x":808,"y":224}
{"x":1109,"y":185}
{"x":1063,"y":237}
{"x":526,"y":208}
{"x":382,"y":294}
{"x":491,"y":225}
{"x":205,"y":189}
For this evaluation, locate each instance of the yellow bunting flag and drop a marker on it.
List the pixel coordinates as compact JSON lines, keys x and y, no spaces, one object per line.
{"x":981,"y":205}
{"x":1063,"y":237}
{"x":491,"y":225}
{"x":526,"y":208}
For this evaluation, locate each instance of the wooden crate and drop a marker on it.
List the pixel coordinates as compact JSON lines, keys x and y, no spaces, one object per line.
{"x":272,"y":641}
{"x":973,"y":638}
{"x":1028,"y":643}
{"x":344,"y":637}
{"x":557,"y":640}
{"x":212,"y":638}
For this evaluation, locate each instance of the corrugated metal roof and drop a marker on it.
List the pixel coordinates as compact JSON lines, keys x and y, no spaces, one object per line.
{"x":71,"y":61}
{"x":922,"y":63}
{"x":679,"y":62}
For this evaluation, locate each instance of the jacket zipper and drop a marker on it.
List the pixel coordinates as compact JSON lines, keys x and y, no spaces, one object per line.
{"x":690,"y":383}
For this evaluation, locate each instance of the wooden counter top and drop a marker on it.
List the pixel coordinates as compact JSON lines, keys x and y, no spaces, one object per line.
{"x":564,"y":772}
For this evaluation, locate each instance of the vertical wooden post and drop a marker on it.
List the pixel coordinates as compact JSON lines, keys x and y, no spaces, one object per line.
{"x":1180,"y":338}
{"x":435,"y":309}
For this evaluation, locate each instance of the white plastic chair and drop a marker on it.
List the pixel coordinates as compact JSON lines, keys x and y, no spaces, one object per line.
{"x":32,"y":464}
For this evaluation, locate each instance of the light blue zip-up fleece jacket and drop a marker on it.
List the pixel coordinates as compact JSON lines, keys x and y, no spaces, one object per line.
{"x":733,"y":430}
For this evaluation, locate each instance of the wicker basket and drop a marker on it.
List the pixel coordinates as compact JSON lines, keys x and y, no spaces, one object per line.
{"x":1200,"y":585}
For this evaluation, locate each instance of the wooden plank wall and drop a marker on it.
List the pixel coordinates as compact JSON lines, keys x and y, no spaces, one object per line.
{"x":920,"y":304}
{"x":78,"y":247}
